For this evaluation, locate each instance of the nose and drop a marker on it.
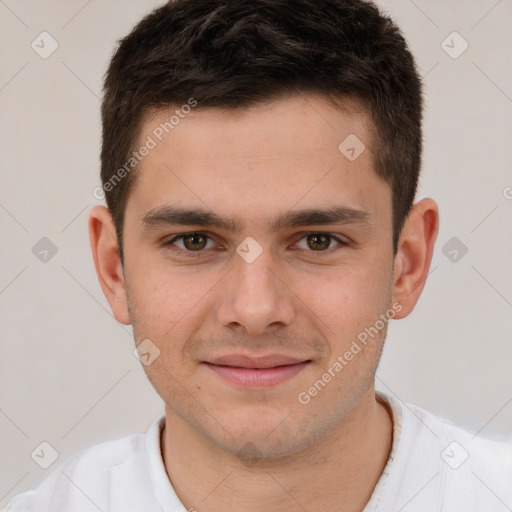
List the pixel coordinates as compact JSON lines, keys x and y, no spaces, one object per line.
{"x":255,"y":299}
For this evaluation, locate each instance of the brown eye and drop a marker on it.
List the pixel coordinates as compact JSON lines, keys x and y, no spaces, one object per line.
{"x":318,"y":241}
{"x":195,"y":241}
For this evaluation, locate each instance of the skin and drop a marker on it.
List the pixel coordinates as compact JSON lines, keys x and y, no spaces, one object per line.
{"x":262,"y":449}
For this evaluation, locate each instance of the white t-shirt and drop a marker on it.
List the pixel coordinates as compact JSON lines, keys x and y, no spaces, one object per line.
{"x":433,"y":466}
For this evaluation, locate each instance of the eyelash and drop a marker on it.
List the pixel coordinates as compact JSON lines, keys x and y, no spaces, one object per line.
{"x":195,"y":254}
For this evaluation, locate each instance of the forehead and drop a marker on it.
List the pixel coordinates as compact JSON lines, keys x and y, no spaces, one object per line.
{"x":262,"y":159}
{"x":309,"y":122}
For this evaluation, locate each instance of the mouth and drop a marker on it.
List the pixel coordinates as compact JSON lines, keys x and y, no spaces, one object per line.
{"x":256,"y":372}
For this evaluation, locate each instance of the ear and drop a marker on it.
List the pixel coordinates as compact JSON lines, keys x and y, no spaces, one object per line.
{"x":107,"y":261}
{"x":414,"y":254}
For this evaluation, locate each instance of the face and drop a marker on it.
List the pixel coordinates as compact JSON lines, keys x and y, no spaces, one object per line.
{"x":258,"y":260}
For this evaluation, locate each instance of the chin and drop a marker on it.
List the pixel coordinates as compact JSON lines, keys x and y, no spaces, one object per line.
{"x":259,"y":437}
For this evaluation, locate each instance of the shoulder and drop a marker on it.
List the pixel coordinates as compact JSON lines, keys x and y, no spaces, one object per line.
{"x":462,"y":445}
{"x":87,"y":481}
{"x":475,"y":471}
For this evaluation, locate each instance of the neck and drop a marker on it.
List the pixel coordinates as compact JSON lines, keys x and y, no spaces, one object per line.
{"x":339,"y":472}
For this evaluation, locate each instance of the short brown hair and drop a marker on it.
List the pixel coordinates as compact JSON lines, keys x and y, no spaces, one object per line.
{"x":236,"y":53}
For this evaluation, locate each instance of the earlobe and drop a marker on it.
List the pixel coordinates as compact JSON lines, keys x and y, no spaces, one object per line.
{"x":105,"y":252}
{"x":414,"y":254}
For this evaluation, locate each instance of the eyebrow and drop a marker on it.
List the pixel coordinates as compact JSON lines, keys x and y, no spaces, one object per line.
{"x":170,"y":215}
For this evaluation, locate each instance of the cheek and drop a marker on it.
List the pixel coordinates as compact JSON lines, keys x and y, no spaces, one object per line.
{"x":345,"y":300}
{"x":167,"y":309}
{"x":167,"y":305}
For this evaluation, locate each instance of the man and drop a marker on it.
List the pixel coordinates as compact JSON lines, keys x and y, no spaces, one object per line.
{"x":260,"y":162}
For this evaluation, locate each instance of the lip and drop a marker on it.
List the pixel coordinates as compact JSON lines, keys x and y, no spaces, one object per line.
{"x":256,"y":372}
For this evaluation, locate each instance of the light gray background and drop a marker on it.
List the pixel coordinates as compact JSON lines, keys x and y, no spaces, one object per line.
{"x":68,"y":374}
